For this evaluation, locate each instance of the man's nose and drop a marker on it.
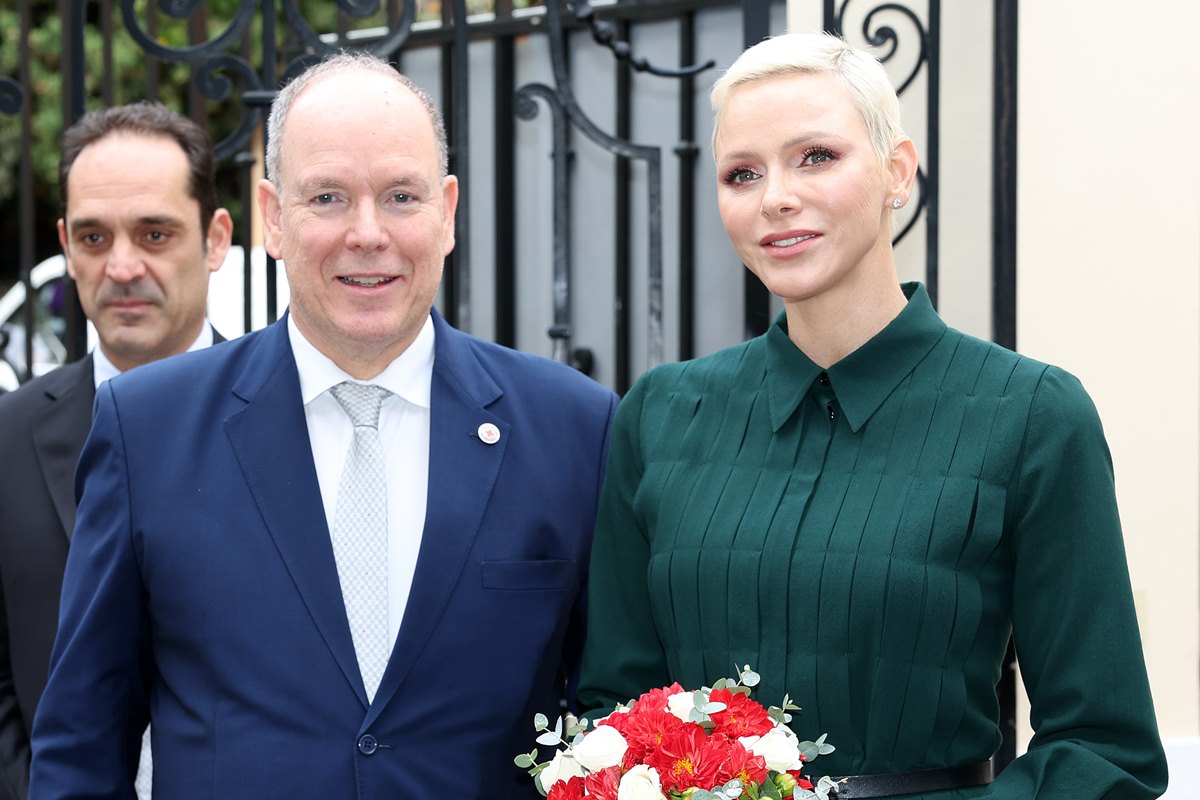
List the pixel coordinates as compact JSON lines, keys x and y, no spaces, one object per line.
{"x":366,"y":229}
{"x":125,"y":263}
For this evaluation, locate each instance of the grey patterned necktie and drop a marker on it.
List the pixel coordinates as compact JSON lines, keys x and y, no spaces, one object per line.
{"x":360,"y":533}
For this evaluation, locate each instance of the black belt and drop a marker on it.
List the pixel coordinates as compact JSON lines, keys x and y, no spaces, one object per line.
{"x":898,"y":784}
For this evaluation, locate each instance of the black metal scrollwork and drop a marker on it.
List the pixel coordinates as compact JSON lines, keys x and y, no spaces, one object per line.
{"x":885,"y":35}
{"x":385,"y":46}
{"x":565,"y":104}
{"x":525,"y":107}
{"x":215,"y":86}
{"x":605,"y":33}
{"x":182,"y":9}
{"x":879,"y":35}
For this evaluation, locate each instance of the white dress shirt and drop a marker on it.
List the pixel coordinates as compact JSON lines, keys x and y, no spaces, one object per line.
{"x":103,"y":369}
{"x":404,"y":433}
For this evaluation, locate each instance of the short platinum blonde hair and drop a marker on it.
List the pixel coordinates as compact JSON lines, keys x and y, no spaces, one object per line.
{"x":344,"y":61}
{"x":809,"y":53}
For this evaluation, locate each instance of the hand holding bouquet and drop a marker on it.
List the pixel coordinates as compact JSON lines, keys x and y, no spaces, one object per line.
{"x":672,"y":744}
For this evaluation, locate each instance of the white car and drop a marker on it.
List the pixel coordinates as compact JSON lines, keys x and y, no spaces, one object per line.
{"x":225,"y":311}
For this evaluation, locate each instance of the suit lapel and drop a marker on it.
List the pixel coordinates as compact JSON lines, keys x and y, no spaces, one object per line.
{"x":59,"y":431}
{"x":270,"y":440}
{"x":462,"y":472}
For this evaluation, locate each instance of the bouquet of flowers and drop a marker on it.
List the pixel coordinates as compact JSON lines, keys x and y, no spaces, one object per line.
{"x":713,"y":743}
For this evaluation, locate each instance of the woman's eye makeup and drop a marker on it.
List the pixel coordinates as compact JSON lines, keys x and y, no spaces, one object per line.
{"x":818,"y":155}
{"x":739,"y":175}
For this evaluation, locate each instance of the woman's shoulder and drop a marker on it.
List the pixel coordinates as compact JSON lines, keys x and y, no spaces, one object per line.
{"x":706,"y":373}
{"x":1013,"y":374}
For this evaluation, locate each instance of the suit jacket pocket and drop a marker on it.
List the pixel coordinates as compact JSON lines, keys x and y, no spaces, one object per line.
{"x":555,"y":575}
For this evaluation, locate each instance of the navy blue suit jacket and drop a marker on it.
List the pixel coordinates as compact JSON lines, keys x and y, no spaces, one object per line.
{"x":201,"y":589}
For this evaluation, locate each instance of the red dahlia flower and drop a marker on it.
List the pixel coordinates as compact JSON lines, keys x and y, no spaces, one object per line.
{"x":741,"y":717}
{"x":567,"y":790}
{"x":688,"y":758}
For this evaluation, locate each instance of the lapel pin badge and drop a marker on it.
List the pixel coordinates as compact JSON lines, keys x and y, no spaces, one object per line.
{"x":488,"y":433}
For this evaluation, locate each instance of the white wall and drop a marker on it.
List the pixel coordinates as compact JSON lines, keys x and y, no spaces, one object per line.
{"x":1109,"y":287}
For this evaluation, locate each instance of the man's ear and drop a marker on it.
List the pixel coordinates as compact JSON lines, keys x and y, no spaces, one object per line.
{"x":218,"y":239}
{"x":449,"y":208}
{"x":269,"y":207}
{"x":66,"y":248}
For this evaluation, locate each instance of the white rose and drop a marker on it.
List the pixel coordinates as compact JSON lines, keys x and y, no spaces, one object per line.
{"x":640,"y":783}
{"x":779,"y":748}
{"x":561,"y":768}
{"x":602,"y":748}
{"x":681,"y":704}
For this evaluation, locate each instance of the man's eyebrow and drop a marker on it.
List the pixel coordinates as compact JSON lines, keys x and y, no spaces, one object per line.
{"x":159,"y":220}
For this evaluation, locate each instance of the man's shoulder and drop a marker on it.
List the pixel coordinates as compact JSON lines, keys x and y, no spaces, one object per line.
{"x":217,"y":366}
{"x":43,"y":390}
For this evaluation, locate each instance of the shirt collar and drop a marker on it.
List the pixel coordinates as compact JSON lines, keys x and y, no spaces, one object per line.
{"x":103,"y":369}
{"x":409,"y":376}
{"x":862,"y":380}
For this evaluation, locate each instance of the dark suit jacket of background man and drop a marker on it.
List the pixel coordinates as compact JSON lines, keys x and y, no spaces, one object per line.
{"x":42,"y":429}
{"x":201,"y":515}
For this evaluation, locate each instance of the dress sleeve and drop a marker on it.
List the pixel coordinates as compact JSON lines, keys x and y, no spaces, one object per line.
{"x":623,"y":656}
{"x":1074,"y":623}
{"x":88,"y":728}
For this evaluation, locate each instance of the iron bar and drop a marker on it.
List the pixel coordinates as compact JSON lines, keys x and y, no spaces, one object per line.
{"x":756,"y":301}
{"x":688,"y":151}
{"x":504,"y":153}
{"x":933,"y":50}
{"x":1004,"y":177}
{"x":622,"y":238}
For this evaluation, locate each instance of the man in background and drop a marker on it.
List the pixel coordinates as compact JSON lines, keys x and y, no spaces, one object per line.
{"x":141,"y":232}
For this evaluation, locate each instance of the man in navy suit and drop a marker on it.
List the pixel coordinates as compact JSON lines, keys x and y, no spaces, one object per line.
{"x":206,"y":588}
{"x":141,"y":232}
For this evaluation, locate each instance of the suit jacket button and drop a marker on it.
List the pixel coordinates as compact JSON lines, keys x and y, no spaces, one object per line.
{"x":367,"y":744}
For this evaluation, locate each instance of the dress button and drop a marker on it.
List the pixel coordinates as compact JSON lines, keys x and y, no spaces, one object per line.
{"x":367,"y":744}
{"x":832,"y":411}
{"x":823,"y":378}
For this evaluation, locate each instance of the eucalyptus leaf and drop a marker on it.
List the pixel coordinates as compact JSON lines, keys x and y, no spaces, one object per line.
{"x":540,"y":722}
{"x":550,"y":738}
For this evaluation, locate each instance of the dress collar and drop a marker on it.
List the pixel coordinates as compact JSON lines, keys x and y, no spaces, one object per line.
{"x":862,"y":380}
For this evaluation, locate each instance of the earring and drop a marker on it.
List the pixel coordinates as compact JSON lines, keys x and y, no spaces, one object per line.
{"x":897,"y":202}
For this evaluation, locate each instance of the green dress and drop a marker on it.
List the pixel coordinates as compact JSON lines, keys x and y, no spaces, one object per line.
{"x":866,"y":538}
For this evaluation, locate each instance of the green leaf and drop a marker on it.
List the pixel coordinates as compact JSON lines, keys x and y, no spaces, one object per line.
{"x":540,"y":723}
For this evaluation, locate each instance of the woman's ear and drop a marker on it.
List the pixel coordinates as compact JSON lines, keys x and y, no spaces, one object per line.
{"x":902,"y":169}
